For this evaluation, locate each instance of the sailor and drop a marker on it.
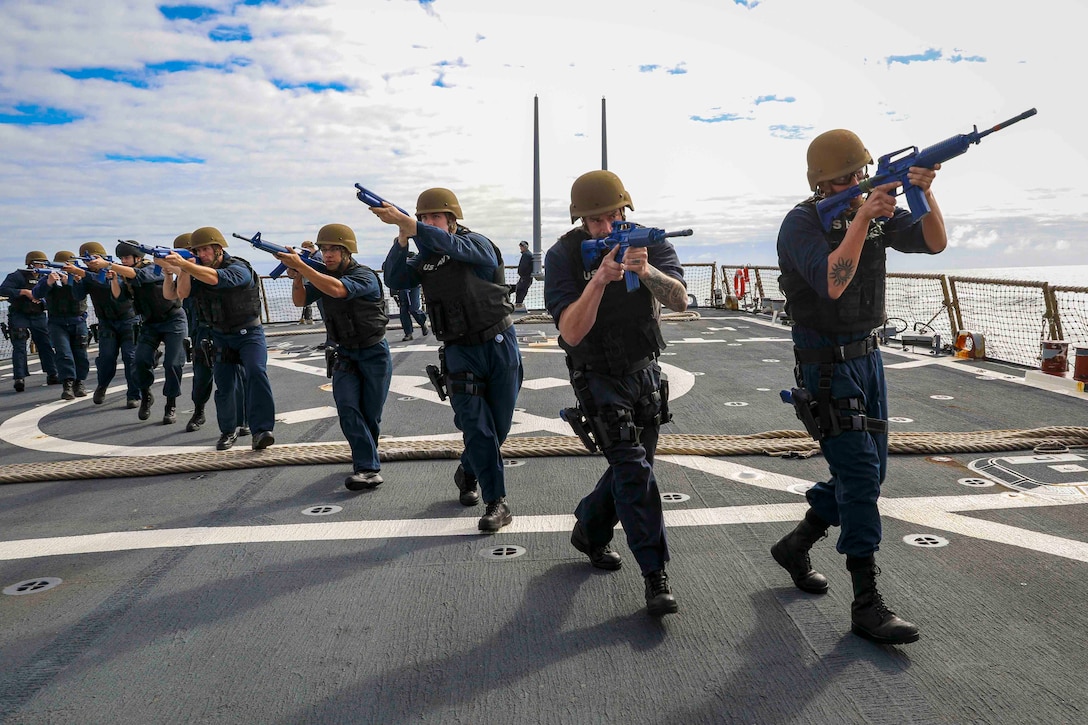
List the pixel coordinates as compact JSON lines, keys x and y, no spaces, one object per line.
{"x":361,"y":368}
{"x":833,"y":283}
{"x":162,"y":323}
{"x":114,"y":330}
{"x":408,"y":300}
{"x":27,"y":320}
{"x":525,"y":277}
{"x":226,"y":294}
{"x":463,"y":279}
{"x":66,"y":303}
{"x":612,"y":339}
{"x":198,"y":346}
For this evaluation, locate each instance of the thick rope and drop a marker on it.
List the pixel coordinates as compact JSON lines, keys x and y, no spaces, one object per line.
{"x":775,"y":443}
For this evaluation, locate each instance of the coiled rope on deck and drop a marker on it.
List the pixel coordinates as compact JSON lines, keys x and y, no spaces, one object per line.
{"x":776,"y":443}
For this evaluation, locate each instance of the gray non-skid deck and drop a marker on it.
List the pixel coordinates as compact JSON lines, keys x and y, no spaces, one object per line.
{"x":220,"y":596}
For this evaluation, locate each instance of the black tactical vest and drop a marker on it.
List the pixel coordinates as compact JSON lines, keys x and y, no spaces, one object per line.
{"x":24,"y":305}
{"x":464,"y":309}
{"x":355,"y":323}
{"x":626,"y":331}
{"x":106,"y":306}
{"x":232,"y":308}
{"x":861,"y":307}
{"x":147,"y":299}
{"x":61,"y":301}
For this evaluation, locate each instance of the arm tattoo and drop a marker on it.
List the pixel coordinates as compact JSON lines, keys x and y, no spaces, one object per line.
{"x":668,"y":291}
{"x":842,"y":273}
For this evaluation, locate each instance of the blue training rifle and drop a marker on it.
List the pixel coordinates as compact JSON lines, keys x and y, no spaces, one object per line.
{"x":306,"y":255}
{"x":371,"y":199}
{"x":625,"y":234}
{"x":893,"y":167}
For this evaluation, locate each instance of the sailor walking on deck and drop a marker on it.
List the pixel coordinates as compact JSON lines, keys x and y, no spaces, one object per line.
{"x":462,"y":275}
{"x":226,"y":294}
{"x":115,"y":328}
{"x":833,"y":282}
{"x":525,"y":276}
{"x":163,"y":323}
{"x":200,"y":344}
{"x":612,"y":339}
{"x":358,"y":361}
{"x":66,"y":304}
{"x":27,"y":320}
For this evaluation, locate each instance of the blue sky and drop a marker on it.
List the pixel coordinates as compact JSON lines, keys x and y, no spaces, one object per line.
{"x":127,"y":119}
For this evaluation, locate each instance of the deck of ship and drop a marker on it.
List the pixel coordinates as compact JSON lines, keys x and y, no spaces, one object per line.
{"x":274,"y":595}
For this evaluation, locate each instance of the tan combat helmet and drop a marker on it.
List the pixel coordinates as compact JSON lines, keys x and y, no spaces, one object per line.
{"x":597,"y":192}
{"x":339,"y":234}
{"x":207,"y":235}
{"x":437,"y":200}
{"x":89,"y":248}
{"x":833,"y":154}
{"x":35,"y":256}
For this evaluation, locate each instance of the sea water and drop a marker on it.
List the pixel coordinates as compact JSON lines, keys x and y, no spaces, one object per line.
{"x":1066,"y":276}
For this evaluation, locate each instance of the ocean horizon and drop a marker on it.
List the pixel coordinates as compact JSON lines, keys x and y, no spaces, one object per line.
{"x":1064,"y":276}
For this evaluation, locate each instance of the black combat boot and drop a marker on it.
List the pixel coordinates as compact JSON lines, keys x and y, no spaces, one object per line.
{"x":170,"y":414}
{"x":466,"y":484}
{"x":659,"y":598}
{"x":602,"y":557}
{"x":20,"y":385}
{"x":869,"y":616}
{"x":791,"y":553}
{"x":496,"y":516}
{"x":68,"y":392}
{"x":146,"y":399}
{"x":197,"y":420}
{"x":99,"y":395}
{"x":79,"y":390}
{"x":52,"y":380}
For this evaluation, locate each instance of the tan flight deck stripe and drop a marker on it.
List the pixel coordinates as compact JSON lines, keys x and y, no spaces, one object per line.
{"x":782,"y":442}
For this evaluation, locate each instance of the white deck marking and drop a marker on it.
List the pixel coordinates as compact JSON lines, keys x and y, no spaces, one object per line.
{"x":306,"y":415}
{"x":937,"y":512}
{"x":545,"y":383}
{"x":24,"y":430}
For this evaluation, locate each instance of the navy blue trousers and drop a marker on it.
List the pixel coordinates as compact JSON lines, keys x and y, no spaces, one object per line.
{"x":485,"y":420}
{"x":258,"y":408}
{"x":171,"y":333}
{"x":37,"y":327}
{"x":359,"y":388}
{"x":115,"y":338}
{"x":69,"y":337}
{"x":408,"y":301}
{"x":858,"y":460}
{"x":627,"y":493}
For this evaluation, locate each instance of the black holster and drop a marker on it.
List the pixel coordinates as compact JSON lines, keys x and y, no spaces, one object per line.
{"x":437,"y":374}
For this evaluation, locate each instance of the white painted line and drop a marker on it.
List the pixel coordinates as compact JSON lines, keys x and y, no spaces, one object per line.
{"x":306,"y":415}
{"x":545,"y":383}
{"x":936,"y":512}
{"x":910,"y":364}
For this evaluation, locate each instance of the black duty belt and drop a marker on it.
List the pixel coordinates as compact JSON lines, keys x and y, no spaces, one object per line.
{"x":604,"y":369}
{"x":247,"y":325}
{"x":837,"y":353}
{"x":487,"y":335}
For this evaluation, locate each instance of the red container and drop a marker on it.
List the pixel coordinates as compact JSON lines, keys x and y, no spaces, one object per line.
{"x":1055,"y":356}
{"x":1080,"y":365}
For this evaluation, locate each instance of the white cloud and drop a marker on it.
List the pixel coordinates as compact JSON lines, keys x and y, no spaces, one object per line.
{"x":283,"y":160}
